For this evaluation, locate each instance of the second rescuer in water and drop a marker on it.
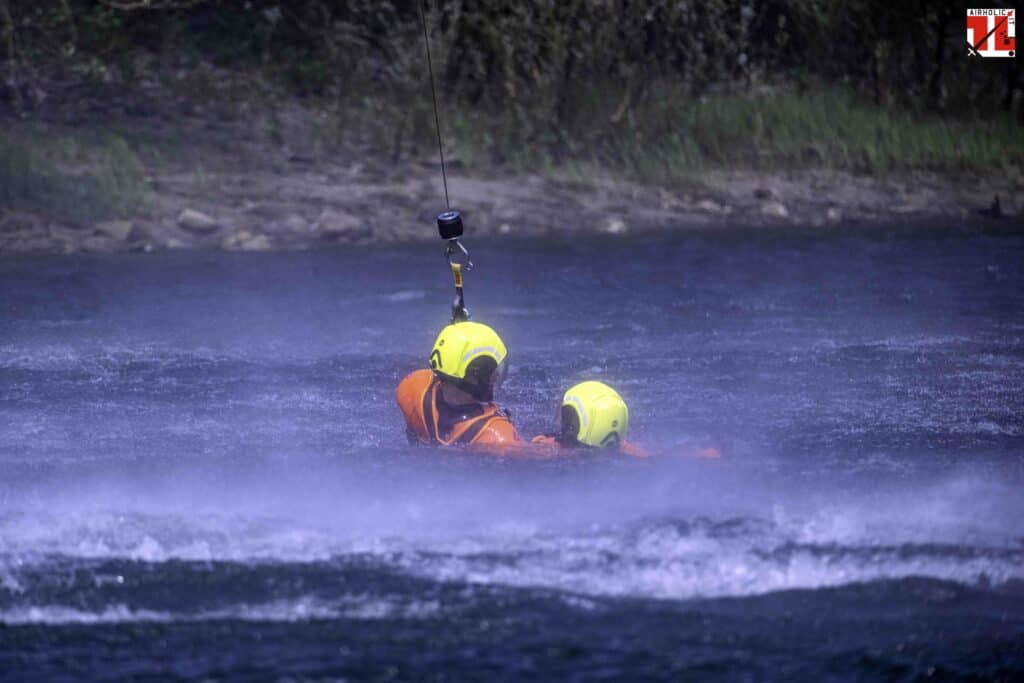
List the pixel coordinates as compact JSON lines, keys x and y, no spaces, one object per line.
{"x":452,"y":403}
{"x":592,"y":415}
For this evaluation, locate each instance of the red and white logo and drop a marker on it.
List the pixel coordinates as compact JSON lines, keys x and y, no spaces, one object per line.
{"x":991,"y":33}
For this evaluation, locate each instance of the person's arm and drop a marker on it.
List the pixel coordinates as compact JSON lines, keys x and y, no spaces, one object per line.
{"x":500,"y":438}
{"x":710,"y":452}
{"x":499,"y":433}
{"x":633,"y":450}
{"x":409,"y":397}
{"x":690,"y":452}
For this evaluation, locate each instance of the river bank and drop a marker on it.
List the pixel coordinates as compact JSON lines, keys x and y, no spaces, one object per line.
{"x":207,"y":178}
{"x":149,"y":126}
{"x":301,"y":206}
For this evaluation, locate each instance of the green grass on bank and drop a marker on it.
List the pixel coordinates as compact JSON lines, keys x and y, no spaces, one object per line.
{"x":90,"y":174}
{"x":669,"y":137}
{"x":77,"y":178}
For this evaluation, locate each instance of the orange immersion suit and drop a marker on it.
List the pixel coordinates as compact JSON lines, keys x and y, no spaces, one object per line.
{"x":430,"y":421}
{"x":625,"y":447}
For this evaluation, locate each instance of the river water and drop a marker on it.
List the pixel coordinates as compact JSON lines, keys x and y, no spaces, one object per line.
{"x":203,"y":473}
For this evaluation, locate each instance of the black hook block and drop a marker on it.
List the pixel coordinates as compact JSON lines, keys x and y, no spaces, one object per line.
{"x":449,"y":225}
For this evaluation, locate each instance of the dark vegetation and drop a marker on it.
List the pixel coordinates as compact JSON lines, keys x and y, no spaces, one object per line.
{"x":652,"y":89}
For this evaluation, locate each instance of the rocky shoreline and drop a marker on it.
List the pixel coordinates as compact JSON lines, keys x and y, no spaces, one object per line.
{"x":225,"y":160}
{"x":300,"y":207}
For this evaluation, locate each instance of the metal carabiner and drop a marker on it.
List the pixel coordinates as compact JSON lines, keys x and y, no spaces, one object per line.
{"x":456,"y":253}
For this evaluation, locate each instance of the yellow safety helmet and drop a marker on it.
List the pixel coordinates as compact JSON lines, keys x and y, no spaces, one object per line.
{"x":594,"y":414}
{"x":471,"y":356}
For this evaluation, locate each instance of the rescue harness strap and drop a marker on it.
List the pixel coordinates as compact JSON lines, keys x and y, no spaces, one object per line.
{"x":475,"y":425}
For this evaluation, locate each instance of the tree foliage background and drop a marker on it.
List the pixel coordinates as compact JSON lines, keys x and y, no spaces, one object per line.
{"x":544,"y":69}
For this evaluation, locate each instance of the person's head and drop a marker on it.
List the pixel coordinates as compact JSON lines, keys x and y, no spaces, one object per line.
{"x":470,"y":357}
{"x":593,"y":414}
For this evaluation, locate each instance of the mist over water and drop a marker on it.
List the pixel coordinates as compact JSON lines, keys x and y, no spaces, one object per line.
{"x":212,"y":438}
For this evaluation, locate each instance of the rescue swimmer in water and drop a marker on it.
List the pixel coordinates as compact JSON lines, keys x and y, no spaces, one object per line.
{"x":452,"y":402}
{"x":592,"y":415}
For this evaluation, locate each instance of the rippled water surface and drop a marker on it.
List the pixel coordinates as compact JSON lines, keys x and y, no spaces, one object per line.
{"x":203,"y":473}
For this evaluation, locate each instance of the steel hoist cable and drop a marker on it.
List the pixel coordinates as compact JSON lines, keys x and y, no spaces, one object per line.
{"x":449,"y":222}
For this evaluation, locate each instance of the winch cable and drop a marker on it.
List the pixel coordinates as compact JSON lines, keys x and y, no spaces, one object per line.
{"x":449,"y":222}
{"x":433,"y":95}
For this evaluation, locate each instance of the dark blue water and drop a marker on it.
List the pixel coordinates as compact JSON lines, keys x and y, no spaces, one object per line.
{"x":203,"y":474}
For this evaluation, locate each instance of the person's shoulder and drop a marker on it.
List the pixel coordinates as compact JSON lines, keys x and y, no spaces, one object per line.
{"x":410,"y":389}
{"x":416,"y":380}
{"x":423,"y":376}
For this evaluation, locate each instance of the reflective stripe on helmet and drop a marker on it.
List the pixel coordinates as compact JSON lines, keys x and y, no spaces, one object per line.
{"x":482,"y":349}
{"x":460,"y":344}
{"x":603,"y":415}
{"x":578,"y":404}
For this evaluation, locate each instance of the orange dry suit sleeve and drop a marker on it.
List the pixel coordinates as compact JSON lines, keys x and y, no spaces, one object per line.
{"x":497,"y":433}
{"x":412,"y":393}
{"x":547,"y":441}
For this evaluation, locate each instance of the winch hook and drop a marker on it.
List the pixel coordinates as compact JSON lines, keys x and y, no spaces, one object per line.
{"x":449,"y":226}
